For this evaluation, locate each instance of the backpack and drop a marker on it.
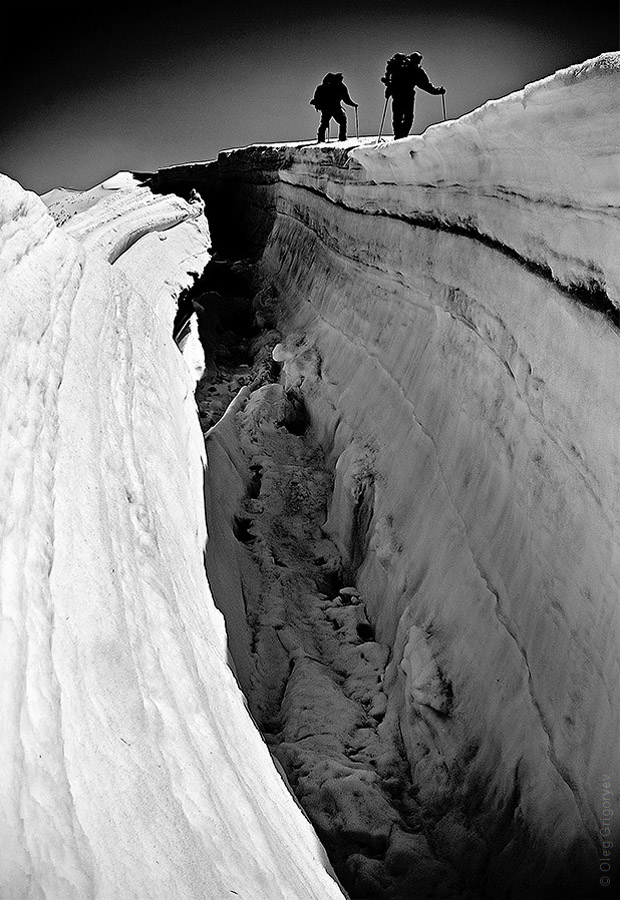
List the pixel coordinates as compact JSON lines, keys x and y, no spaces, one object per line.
{"x":396,"y":63}
{"x":320,"y":96}
{"x":396,"y":70}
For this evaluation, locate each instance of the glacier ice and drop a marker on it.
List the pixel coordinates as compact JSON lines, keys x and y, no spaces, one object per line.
{"x":460,"y":292}
{"x":130,"y":766}
{"x":442,"y":692}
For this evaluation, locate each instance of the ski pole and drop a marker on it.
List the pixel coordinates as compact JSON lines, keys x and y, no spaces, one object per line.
{"x":383,"y":118}
{"x":357,"y":125}
{"x":443,"y":103}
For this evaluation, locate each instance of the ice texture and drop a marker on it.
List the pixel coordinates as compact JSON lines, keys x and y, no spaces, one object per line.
{"x":130,"y":766}
{"x":447,"y":308}
{"x":460,"y":292}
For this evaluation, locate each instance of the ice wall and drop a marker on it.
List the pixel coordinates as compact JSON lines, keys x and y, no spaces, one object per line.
{"x":461,"y":290}
{"x":130,"y":767}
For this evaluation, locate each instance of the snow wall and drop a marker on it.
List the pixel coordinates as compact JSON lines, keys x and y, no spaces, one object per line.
{"x":450,"y":305}
{"x":130,"y":766}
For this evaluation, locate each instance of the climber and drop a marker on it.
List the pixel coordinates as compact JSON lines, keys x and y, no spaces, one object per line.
{"x":403,"y":74}
{"x":327,"y":97}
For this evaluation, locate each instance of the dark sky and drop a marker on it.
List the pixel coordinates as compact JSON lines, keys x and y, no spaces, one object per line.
{"x":90,"y":88}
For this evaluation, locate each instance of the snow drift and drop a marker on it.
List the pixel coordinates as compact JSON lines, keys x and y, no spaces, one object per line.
{"x":443,"y":695}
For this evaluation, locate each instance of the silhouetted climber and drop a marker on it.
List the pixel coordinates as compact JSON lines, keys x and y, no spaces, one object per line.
{"x":403,"y":74}
{"x":327,"y":97}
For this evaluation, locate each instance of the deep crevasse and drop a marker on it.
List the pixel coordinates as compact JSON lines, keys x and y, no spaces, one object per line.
{"x":458,"y":290}
{"x":430,"y":297}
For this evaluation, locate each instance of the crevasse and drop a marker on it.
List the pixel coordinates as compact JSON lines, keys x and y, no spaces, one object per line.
{"x":411,"y":509}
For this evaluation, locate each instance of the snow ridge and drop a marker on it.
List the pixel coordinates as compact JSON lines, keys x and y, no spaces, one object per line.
{"x":130,"y":765}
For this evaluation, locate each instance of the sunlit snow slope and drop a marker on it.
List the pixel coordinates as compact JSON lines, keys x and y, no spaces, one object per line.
{"x":129,"y":765}
{"x":450,"y":305}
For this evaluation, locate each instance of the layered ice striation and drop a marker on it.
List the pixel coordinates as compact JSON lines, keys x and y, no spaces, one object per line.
{"x":130,"y":767}
{"x":459,"y":292}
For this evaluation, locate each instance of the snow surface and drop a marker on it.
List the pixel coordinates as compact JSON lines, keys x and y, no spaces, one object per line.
{"x":535,"y":172}
{"x":130,"y":766}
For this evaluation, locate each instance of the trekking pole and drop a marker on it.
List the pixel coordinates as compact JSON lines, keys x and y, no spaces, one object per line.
{"x":443,"y":103}
{"x":383,"y":118}
{"x":357,"y":125}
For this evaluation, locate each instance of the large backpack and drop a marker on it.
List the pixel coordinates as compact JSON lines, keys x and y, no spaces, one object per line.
{"x":397,"y":70}
{"x":319,"y":101}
